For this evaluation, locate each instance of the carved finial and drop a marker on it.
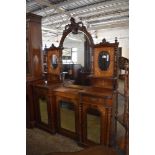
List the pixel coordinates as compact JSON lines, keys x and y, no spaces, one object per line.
{"x":72,"y":20}
{"x":74,"y":26}
{"x":45,"y":48}
{"x":52,"y":46}
{"x":115,"y":39}
{"x":104,"y":40}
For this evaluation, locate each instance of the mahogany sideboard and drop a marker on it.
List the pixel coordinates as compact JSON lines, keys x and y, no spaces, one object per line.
{"x":101,"y":102}
{"x":69,"y":110}
{"x":45,"y":106}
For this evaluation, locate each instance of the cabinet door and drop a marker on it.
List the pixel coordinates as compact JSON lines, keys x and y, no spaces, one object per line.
{"x":67,"y":115}
{"x":93,"y":125}
{"x":43,"y":112}
{"x":43,"y":109}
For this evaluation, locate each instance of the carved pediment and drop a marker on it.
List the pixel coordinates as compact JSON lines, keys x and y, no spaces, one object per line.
{"x":74,"y":27}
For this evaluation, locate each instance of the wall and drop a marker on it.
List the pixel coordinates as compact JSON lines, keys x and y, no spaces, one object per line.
{"x":122,"y":35}
{"x":79,"y":44}
{"x":109,"y":34}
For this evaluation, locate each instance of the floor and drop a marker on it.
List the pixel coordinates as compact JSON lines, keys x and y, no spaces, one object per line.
{"x":39,"y":142}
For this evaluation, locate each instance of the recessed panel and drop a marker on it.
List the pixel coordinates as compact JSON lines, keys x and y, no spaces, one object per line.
{"x":43,"y":110}
{"x":93,"y":125}
{"x":104,"y":62}
{"x":67,"y":116}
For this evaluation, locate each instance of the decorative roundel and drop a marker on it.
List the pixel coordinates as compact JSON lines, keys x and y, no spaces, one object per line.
{"x":104,"y":60}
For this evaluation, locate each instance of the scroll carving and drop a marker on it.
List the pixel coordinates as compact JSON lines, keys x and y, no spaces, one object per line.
{"x":74,"y":28}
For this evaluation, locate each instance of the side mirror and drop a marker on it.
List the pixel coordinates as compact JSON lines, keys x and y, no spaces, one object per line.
{"x":54,"y":61}
{"x":104,"y":60}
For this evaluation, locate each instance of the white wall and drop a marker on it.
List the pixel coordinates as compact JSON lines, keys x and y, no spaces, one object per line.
{"x":122,"y":35}
{"x":79,"y":44}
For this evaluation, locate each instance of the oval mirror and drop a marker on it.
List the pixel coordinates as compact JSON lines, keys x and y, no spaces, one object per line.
{"x":104,"y":60}
{"x":54,"y":61}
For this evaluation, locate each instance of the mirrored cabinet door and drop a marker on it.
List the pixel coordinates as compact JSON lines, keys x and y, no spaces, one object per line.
{"x":67,"y":116}
{"x":93,"y":122}
{"x":43,"y":110}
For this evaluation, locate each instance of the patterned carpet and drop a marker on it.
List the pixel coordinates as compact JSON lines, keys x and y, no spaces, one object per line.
{"x":39,"y":142}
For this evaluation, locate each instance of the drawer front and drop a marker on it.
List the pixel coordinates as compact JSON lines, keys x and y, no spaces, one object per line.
{"x":40,"y":91}
{"x":92,"y":99}
{"x":67,"y":95}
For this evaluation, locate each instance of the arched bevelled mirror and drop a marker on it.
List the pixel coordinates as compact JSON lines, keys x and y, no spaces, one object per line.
{"x":77,"y":47}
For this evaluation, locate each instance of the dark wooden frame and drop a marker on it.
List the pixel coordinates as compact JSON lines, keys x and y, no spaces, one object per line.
{"x":106,"y":79}
{"x":43,"y":93}
{"x":62,"y":130}
{"x":114,"y":48}
{"x":85,"y":109}
{"x":74,"y":28}
{"x":106,"y":110}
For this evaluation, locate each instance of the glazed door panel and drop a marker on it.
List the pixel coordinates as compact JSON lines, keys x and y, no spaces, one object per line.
{"x":67,"y":116}
{"x":44,"y":107}
{"x":43,"y":110}
{"x":93,"y":125}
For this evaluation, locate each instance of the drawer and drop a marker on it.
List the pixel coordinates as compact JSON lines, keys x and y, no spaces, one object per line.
{"x":92,"y":99}
{"x":40,"y":91}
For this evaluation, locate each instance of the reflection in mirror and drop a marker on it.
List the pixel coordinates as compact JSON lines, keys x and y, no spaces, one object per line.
{"x":73,"y":49}
{"x":54,"y":61}
{"x":67,"y":116}
{"x":104,"y":60}
{"x":93,"y":125}
{"x":76,"y":57}
{"x":43,"y":110}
